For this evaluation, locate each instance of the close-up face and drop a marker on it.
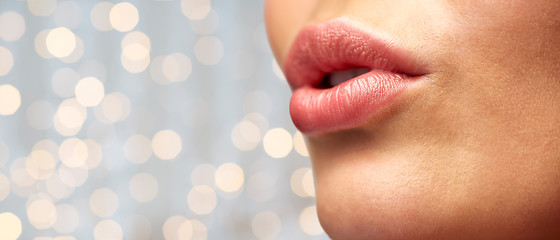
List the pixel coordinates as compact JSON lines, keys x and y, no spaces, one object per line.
{"x":432,"y":119}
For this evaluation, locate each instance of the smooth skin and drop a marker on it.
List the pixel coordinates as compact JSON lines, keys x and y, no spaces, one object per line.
{"x":471,"y":153}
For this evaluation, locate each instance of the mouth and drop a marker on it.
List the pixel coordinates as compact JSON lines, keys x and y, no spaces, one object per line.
{"x":338,"y":77}
{"x":342,"y":75}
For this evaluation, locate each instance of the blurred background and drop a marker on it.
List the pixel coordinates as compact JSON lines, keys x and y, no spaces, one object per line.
{"x":147,"y":120}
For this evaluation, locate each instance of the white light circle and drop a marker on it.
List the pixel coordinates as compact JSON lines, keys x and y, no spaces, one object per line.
{"x":61,"y":42}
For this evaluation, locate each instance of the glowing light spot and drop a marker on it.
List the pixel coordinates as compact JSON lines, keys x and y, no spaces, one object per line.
{"x":167,"y":144}
{"x":41,"y":213}
{"x":4,"y":188}
{"x":135,"y":52}
{"x":103,"y":202}
{"x":229,"y":177}
{"x":10,"y":99}
{"x":209,"y":50}
{"x":67,"y":218}
{"x":123,"y":16}
{"x":299,"y":144}
{"x":277,"y":143}
{"x":143,"y":187}
{"x":67,"y":14}
{"x":195,"y":9}
{"x":115,"y":107}
{"x":56,"y":188}
{"x":202,"y":199}
{"x":308,"y":183}
{"x":95,"y":154}
{"x":136,"y":37}
{"x":258,"y":119}
{"x":40,"y":164}
{"x":302,"y":182}
{"x":73,"y":152}
{"x":76,"y":54}
{"x":99,"y":16}
{"x":200,"y":232}
{"x":70,"y":117}
{"x":245,"y":136}
{"x":177,"y":67}
{"x":138,"y":149}
{"x":134,"y":66}
{"x":107,"y":229}
{"x":171,"y":227}
{"x":172,"y":68}
{"x":41,"y":7}
{"x":266,"y":225}
{"x":278,"y":71}
{"x":60,"y":42}
{"x":185,"y":230}
{"x":6,"y":61}
{"x":203,"y":174}
{"x":73,"y":177}
{"x":12,"y":26}
{"x":309,"y":222}
{"x":40,"y":44}
{"x":89,"y":91}
{"x":10,"y":226}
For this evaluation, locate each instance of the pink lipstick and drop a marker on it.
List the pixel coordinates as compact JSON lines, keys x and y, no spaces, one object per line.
{"x":342,"y":75}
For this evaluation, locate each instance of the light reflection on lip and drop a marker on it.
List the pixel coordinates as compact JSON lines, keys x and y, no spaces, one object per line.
{"x":338,"y":45}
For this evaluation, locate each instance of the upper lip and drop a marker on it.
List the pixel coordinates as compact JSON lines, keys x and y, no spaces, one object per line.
{"x":324,"y":48}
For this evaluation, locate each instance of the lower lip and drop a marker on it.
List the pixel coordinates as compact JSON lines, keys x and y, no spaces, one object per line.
{"x":348,"y":105}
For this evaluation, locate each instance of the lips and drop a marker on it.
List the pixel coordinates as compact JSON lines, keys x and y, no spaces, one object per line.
{"x":320,"y":59}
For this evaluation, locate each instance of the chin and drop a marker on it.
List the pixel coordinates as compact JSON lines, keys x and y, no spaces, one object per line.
{"x":386,"y":197}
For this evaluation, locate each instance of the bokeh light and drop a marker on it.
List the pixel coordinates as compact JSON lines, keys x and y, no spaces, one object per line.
{"x":89,"y":91}
{"x":67,"y":218}
{"x":147,"y":120}
{"x":103,"y":202}
{"x":301,"y":182}
{"x":42,"y":7}
{"x":107,"y":229}
{"x":309,"y":222}
{"x":123,"y":16}
{"x":299,"y":144}
{"x":60,"y":42}
{"x":143,"y":187}
{"x":229,"y":177}
{"x":195,"y":9}
{"x":10,"y":226}
{"x":266,"y":225}
{"x":209,"y":50}
{"x":138,"y":149}
{"x":202,"y":199}
{"x":6,"y":61}
{"x":167,"y":144}
{"x":99,"y":16}
{"x":10,"y":99}
{"x":41,"y":213}
{"x":277,"y":143}
{"x":12,"y":26}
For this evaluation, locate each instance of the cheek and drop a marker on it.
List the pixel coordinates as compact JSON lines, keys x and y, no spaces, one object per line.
{"x":284,"y":19}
